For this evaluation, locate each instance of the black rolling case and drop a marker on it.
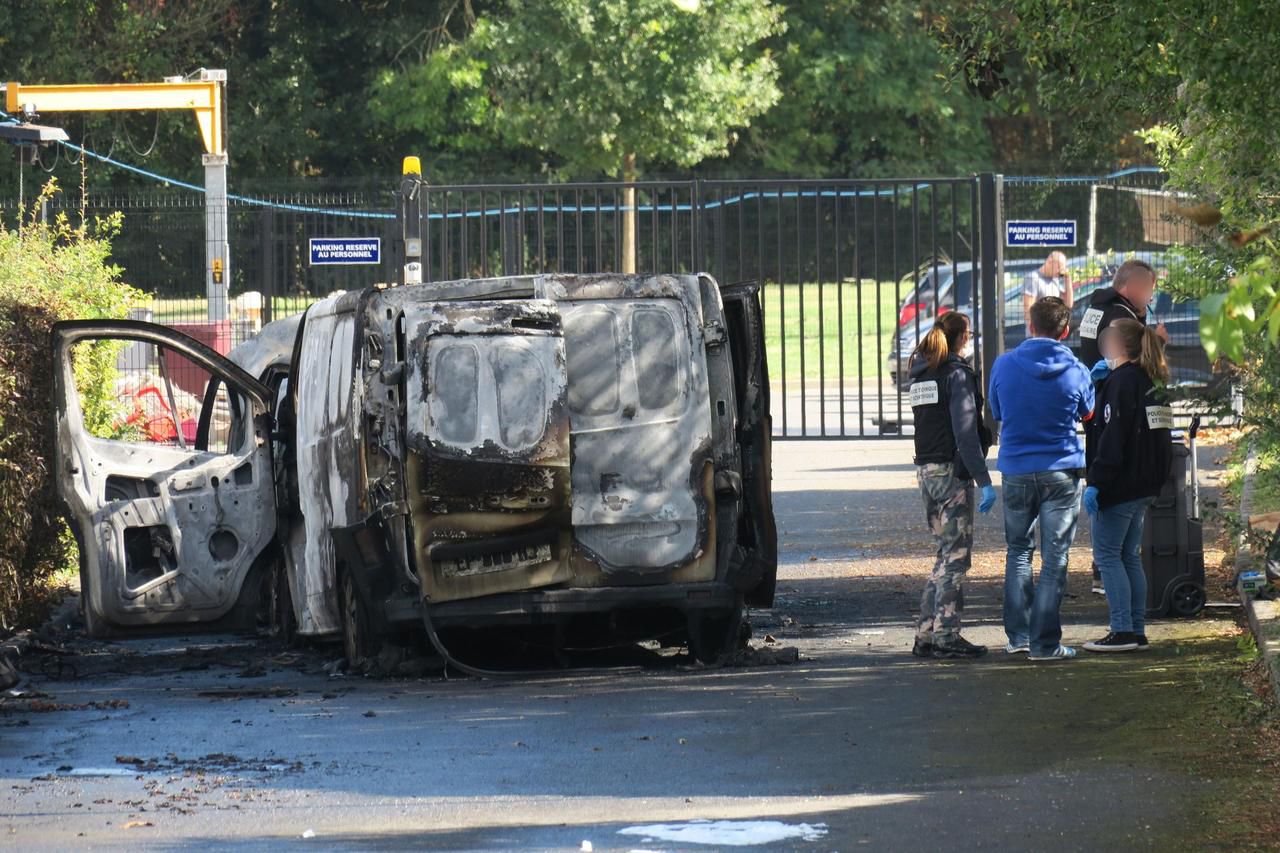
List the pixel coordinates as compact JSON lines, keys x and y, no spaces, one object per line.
{"x":1173,"y":539}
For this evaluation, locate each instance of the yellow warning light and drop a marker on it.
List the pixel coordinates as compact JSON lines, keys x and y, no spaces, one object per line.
{"x":412,"y":166}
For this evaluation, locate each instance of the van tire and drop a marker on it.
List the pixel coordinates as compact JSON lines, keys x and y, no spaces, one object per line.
{"x":715,"y":633}
{"x":358,"y":640}
{"x":282,"y":624}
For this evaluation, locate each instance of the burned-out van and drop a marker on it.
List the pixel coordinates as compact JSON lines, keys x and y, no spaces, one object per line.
{"x":589,"y":450}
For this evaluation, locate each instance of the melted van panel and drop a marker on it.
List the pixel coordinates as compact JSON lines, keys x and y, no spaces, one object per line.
{"x":640,"y":425}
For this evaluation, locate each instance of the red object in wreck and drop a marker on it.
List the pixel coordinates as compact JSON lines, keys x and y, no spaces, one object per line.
{"x":161,"y":428}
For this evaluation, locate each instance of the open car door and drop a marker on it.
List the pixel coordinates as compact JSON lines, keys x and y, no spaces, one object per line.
{"x":758,"y":531}
{"x":165,"y":474}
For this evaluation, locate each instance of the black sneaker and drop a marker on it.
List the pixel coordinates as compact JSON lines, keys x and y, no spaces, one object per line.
{"x":923,"y":648}
{"x":1098,"y":588}
{"x":958,"y":647}
{"x":1143,"y":645}
{"x":1114,"y":642}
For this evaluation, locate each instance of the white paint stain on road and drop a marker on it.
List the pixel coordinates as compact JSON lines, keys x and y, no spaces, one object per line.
{"x":728,"y":833}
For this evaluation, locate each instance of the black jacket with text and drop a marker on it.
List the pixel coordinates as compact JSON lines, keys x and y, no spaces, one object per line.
{"x":1130,"y":447}
{"x":1105,"y":307}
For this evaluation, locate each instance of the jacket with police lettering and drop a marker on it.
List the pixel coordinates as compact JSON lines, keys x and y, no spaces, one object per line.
{"x":947,"y":405}
{"x":1131,"y":448}
{"x":1105,"y":307}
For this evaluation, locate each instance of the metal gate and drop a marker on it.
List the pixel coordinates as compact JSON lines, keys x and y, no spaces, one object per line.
{"x":853,"y":272}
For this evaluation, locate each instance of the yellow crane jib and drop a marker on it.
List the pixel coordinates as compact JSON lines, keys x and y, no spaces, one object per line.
{"x":203,"y":97}
{"x":201,"y":92}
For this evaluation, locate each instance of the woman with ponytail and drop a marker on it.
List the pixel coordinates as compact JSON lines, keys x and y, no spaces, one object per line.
{"x":1129,"y":454}
{"x":951,"y":445}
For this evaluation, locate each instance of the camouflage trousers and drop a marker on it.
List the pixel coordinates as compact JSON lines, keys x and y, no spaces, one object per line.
{"x":948,"y":506}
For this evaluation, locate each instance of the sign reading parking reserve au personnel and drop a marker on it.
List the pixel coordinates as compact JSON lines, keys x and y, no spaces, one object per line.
{"x":1040,"y":232}
{"x":346,"y":250}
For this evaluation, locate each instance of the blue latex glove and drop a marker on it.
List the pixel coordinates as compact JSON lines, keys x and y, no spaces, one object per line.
{"x":1091,"y":501}
{"x":988,"y":499}
{"x":1099,"y":371}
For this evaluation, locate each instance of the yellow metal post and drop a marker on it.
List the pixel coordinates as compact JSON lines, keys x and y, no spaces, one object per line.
{"x":204,"y":98}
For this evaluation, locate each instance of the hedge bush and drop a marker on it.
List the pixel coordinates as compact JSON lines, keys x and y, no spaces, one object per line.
{"x":48,"y":272}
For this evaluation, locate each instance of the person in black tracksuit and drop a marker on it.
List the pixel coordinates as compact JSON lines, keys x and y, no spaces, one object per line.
{"x":1128,"y":456}
{"x":951,"y":444}
{"x":1131,"y":291}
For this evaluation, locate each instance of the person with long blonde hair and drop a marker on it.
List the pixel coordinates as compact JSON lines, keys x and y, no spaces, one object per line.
{"x":1129,"y":453}
{"x":951,"y":445}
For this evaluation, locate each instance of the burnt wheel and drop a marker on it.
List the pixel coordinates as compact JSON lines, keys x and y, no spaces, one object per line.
{"x":358,"y":641}
{"x":715,"y":633}
{"x":282,"y":623}
{"x":1186,"y":599}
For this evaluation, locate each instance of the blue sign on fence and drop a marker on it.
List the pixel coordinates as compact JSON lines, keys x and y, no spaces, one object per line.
{"x":1040,"y":232}
{"x":346,"y":250}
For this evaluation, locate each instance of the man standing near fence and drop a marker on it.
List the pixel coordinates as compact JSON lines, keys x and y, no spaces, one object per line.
{"x":1129,"y":296}
{"x":1052,"y":279}
{"x":1039,"y":392}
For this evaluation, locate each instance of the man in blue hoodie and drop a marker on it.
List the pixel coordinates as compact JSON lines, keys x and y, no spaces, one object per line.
{"x":1039,"y":392}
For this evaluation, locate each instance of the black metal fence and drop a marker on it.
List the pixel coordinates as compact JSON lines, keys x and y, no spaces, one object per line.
{"x":853,"y":271}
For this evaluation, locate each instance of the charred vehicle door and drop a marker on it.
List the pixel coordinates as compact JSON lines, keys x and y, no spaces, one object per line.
{"x":168,"y":486}
{"x":487,"y":431}
{"x":638,"y":408}
{"x":757,"y":529}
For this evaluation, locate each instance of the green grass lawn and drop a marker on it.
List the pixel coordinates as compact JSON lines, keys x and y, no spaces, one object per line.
{"x":831,"y":314}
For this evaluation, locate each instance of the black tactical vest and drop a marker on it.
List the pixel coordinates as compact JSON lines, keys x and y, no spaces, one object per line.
{"x":931,"y":405}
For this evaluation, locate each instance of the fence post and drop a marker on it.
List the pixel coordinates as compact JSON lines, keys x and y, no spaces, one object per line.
{"x":696,"y":219}
{"x":991,"y":306}
{"x":267,"y":261}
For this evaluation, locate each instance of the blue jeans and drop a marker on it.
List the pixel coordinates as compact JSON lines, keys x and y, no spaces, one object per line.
{"x":1117,"y":543}
{"x":1052,"y":500}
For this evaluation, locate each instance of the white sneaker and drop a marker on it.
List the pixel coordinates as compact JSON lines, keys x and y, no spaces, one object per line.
{"x":1060,"y":653}
{"x":1011,"y":649}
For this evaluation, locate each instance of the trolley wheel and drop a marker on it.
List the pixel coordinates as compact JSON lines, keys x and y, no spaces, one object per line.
{"x":1186,"y":599}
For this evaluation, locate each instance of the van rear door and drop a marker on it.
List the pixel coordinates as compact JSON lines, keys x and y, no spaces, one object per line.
{"x":758,"y":531}
{"x":488,"y":438}
{"x":638,"y":411}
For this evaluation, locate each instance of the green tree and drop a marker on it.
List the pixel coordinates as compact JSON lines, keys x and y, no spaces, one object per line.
{"x":1201,"y":77}
{"x":611,"y":85}
{"x":865,"y":96}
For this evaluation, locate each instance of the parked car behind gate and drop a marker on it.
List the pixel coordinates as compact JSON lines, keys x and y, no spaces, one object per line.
{"x":949,"y":287}
{"x":524,"y":450}
{"x":1188,"y":363}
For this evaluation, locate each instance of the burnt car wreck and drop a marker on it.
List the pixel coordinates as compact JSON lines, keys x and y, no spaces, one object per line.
{"x":533,"y":450}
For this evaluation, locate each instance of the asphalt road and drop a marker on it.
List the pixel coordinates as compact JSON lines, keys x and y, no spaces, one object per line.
{"x":194,"y":741}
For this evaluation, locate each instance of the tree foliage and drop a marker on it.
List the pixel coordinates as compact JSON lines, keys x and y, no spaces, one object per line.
{"x":512,"y":89}
{"x":864,"y":96}
{"x":1201,"y":76}
{"x":598,"y":83}
{"x":48,"y":272}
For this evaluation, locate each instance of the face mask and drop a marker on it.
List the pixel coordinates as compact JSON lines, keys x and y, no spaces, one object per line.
{"x":1113,"y":363}
{"x":966,"y":351}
